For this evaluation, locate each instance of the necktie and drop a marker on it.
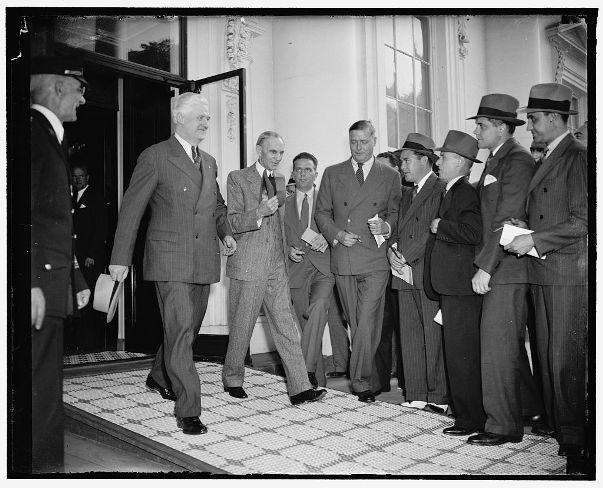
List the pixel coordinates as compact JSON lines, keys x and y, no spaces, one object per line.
{"x":74,"y":193}
{"x":415,"y":190}
{"x":541,"y":160}
{"x":196,"y":157}
{"x":269,"y":184}
{"x":485,"y":171}
{"x":360,"y":174}
{"x":305,"y":212}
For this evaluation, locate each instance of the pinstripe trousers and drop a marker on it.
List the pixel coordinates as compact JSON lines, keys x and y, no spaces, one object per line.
{"x":561,"y":330}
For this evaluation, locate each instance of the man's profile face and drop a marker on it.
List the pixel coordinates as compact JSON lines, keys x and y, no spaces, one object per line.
{"x":304,"y":174}
{"x":362,"y":144}
{"x":413,"y":166}
{"x":79,"y":178}
{"x":581,"y":134}
{"x":540,"y":124}
{"x":194,"y":122}
{"x":270,"y":152}
{"x":487,"y":134}
{"x":71,"y":97}
{"x":448,"y":164}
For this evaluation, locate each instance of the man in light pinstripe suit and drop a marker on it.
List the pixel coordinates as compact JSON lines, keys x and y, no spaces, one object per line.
{"x":258,"y":272}
{"x":182,"y":254}
{"x":557,"y":213}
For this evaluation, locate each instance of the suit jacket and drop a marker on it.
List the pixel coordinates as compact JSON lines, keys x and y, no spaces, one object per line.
{"x":90,"y":223}
{"x":345,"y":205}
{"x":293,"y":232}
{"x":51,"y":220}
{"x":513,"y":167}
{"x":188,"y":215}
{"x":558,"y":215}
{"x":459,"y":232}
{"x":412,"y":229}
{"x":244,"y":190}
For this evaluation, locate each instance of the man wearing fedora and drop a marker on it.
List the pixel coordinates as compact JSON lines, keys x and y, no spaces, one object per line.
{"x":501,"y":278}
{"x":456,"y":233}
{"x":420,"y":337}
{"x":557,"y":215}
{"x":57,"y":89}
{"x":182,"y":255}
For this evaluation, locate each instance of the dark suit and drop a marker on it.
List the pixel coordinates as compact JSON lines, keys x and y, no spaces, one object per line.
{"x":182,"y":254}
{"x":557,"y":212}
{"x":258,"y":276}
{"x":451,"y":269}
{"x":361,"y":271}
{"x":420,"y":336}
{"x":507,"y":381}
{"x":52,"y":270}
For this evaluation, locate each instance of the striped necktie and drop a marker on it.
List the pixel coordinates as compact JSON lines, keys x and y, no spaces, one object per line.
{"x":360,"y":174}
{"x":196,"y":157}
{"x":305,"y":212}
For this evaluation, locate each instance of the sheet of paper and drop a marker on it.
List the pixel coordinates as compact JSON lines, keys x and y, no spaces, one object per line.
{"x":379,"y":239}
{"x":309,"y":235}
{"x":405,"y":274}
{"x":511,"y":231}
{"x":438,"y":318}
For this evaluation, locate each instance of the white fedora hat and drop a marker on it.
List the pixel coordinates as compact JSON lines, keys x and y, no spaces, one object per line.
{"x":106,"y":295}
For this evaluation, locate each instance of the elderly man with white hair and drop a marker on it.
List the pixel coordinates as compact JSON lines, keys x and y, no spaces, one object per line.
{"x":182,"y":255}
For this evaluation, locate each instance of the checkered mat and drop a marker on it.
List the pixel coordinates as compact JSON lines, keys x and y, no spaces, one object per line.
{"x":339,"y":435}
{"x":99,"y":357}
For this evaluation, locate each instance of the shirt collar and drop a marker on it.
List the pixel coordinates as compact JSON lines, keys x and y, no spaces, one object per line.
{"x":185,"y":145}
{"x":58,"y":128}
{"x":555,"y":142}
{"x":453,"y":181}
{"x":81,"y":192}
{"x":366,"y":165}
{"x":423,"y":180}
{"x":495,"y":150}
{"x":260,"y":169}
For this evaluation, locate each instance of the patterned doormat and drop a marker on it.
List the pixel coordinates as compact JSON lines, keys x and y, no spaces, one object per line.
{"x":339,"y":435}
{"x":99,"y":357}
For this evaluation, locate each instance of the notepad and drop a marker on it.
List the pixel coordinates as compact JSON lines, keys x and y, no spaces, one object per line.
{"x":511,"y":231}
{"x":309,"y":235}
{"x":404,"y":274}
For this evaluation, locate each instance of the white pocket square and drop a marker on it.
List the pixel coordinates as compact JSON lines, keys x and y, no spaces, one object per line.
{"x":489,"y":179}
{"x":82,"y":206}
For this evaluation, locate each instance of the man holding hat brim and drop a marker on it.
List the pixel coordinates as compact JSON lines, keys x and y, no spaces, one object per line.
{"x":450,"y":253}
{"x":557,"y":215}
{"x":56,"y":91}
{"x":420,"y":336}
{"x":508,"y":387}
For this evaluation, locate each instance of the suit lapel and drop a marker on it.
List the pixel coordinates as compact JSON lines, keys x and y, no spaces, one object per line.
{"x":52,"y":136}
{"x":447,"y":200}
{"x":370,"y":185}
{"x":178,"y":157}
{"x":549,"y":162}
{"x":254,"y":179}
{"x":418,"y":201}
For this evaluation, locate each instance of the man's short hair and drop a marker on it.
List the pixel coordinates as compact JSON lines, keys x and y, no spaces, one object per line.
{"x":185,"y":102}
{"x":306,"y":155}
{"x":79,"y":164}
{"x":363,"y":125}
{"x":267,"y":135}
{"x":393,"y":160}
{"x":498,"y":122}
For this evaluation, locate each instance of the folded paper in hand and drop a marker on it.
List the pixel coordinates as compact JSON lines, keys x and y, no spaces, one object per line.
{"x":309,"y":235}
{"x":511,"y":231}
{"x":404,"y":274}
{"x":438,"y":318}
{"x":379,"y":239}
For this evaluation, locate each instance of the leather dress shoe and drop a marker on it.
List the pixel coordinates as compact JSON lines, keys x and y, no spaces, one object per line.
{"x":366,"y":396}
{"x":307,"y":396}
{"x":313,"y":380}
{"x":491,"y":439}
{"x":235,"y":391}
{"x":336,"y":374}
{"x":191,"y":425}
{"x":455,"y":430}
{"x":165,"y":393}
{"x":544,"y":430}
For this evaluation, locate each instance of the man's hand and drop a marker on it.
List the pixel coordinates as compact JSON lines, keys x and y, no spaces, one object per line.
{"x":82,"y":298}
{"x":396,"y":260}
{"x":89,"y":262}
{"x":348,"y":239}
{"x":378,"y":226}
{"x":517,"y":223}
{"x":118,"y":272}
{"x":38,"y":307}
{"x":296,"y":255}
{"x":267,"y":207}
{"x":230,"y":246}
{"x":319,"y":243}
{"x":520,"y":245}
{"x":481,"y":282}
{"x":433,"y":227}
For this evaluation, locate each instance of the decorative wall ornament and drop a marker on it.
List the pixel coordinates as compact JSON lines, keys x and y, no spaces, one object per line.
{"x":232,"y":117}
{"x":237,"y":41}
{"x":560,"y":63}
{"x":463,"y":37}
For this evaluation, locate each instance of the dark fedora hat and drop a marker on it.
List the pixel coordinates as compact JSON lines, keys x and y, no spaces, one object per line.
{"x":58,"y":65}
{"x":549,"y":97}
{"x":420,"y":144}
{"x":500,"y":107}
{"x":462,"y":144}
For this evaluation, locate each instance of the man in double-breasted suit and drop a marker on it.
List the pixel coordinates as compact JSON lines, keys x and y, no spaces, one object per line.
{"x":182,"y":253}
{"x":508,"y":387}
{"x":258,"y":272}
{"x":57,"y":89}
{"x":456,"y":232}
{"x":310,"y":278}
{"x":557,"y":213}
{"x":420,"y":336}
{"x":358,"y":204}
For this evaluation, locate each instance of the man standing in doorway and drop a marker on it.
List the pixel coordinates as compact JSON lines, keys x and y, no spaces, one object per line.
{"x":357,"y":208}
{"x":182,"y":254}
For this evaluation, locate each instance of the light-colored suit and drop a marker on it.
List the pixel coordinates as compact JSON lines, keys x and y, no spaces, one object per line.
{"x":558,"y":215}
{"x":182,"y":253}
{"x":258,"y":275}
{"x":361,"y":271}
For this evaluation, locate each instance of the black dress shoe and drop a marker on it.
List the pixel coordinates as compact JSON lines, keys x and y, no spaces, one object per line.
{"x":366,"y":396}
{"x":459,"y":431}
{"x":307,"y":396}
{"x":235,"y":391}
{"x":191,"y":425}
{"x":165,"y":393}
{"x":490,"y":439}
{"x":313,"y":380}
{"x":336,"y":374}
{"x":544,"y":431}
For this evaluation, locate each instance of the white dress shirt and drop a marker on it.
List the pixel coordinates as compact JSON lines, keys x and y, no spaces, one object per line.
{"x":58,"y":128}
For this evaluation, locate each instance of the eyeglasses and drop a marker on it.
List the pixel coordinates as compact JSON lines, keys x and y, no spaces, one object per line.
{"x":303,"y":171}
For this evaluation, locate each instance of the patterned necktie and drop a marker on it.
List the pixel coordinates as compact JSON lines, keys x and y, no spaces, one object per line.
{"x":305,"y":212}
{"x":415,"y":190}
{"x":196,"y":157}
{"x":360,"y":174}
{"x":541,"y":160}
{"x":269,"y":184}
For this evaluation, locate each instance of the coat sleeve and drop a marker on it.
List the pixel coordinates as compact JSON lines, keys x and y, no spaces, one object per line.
{"x":241,"y":219}
{"x":467,"y":228}
{"x":393,"y":204}
{"x":222,"y":224}
{"x":324,"y":215}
